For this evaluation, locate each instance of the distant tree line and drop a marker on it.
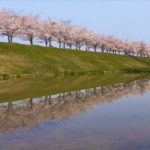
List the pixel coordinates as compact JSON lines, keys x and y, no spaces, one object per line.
{"x":31,"y":27}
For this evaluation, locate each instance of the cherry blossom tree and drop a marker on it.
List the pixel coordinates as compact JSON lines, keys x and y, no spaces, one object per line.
{"x":60,"y":34}
{"x":95,"y":41}
{"x":43,"y":32}
{"x":110,"y":46}
{"x":147,"y":51}
{"x":64,"y":34}
{"x":70,"y":37}
{"x":142,"y":49}
{"x":87,"y":40}
{"x":79,"y":36}
{"x":47,"y":31}
{"x":102,"y":43}
{"x":30,"y":28}
{"x":52,"y":27}
{"x":10,"y":24}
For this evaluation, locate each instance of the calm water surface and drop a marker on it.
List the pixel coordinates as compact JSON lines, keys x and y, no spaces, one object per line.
{"x":116,"y":117}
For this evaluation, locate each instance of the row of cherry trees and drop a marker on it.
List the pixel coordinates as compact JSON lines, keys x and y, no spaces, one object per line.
{"x":32,"y":28}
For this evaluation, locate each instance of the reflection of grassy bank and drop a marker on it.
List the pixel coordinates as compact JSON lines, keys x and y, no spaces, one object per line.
{"x":4,"y":77}
{"x":31,"y":112}
{"x":35,"y":87}
{"x":22,"y":60}
{"x":136,"y":70}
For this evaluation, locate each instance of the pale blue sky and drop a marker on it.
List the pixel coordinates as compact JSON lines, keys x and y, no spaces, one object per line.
{"x":127,"y":19}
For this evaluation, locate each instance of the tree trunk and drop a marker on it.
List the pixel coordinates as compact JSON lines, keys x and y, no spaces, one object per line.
{"x":46,"y":42}
{"x":50,"y":42}
{"x":86,"y":48}
{"x":76,"y":45}
{"x":76,"y":95}
{"x":79,"y":47}
{"x":11,"y":39}
{"x":59,"y":44}
{"x":70,"y":46}
{"x":31,"y":40}
{"x":8,"y":37}
{"x":64,"y":45}
{"x":95,"y":48}
{"x":102,"y":50}
{"x":10,"y":104}
{"x":31,"y":103}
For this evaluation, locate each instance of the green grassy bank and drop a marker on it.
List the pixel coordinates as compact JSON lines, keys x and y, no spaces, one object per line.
{"x":24,"y":60}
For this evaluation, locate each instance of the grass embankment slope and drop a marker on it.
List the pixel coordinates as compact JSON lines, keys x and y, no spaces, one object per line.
{"x":21,"y":60}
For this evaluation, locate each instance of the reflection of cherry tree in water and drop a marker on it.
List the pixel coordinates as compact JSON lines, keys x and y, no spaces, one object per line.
{"x":30,"y":112}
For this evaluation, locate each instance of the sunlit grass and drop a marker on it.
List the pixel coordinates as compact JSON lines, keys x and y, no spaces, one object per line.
{"x":23,"y":60}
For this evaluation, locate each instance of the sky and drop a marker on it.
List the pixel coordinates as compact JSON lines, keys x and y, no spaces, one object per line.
{"x":126,"y":19}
